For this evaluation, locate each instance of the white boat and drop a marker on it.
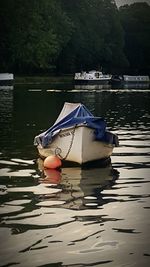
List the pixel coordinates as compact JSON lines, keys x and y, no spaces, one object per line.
{"x":77,"y":137}
{"x":92,"y":77}
{"x":130,"y":79}
{"x":6,"y":78}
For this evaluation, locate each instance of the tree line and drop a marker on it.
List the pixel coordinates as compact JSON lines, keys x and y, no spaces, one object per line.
{"x":62,"y":37}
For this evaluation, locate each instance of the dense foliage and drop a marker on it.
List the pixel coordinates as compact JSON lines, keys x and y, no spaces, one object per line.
{"x":61,"y":36}
{"x":135,"y":20}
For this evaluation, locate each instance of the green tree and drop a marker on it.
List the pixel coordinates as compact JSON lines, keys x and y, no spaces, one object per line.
{"x":135,"y":20}
{"x":60,"y":35}
{"x":97,"y":39}
{"x":32,"y":35}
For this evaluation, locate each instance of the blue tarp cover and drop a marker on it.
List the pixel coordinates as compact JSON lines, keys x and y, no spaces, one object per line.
{"x":80,"y":115}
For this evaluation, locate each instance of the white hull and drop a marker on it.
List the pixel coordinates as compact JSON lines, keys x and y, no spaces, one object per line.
{"x":91,"y":77}
{"x":128,"y":79}
{"x":6,"y":78}
{"x":77,"y":145}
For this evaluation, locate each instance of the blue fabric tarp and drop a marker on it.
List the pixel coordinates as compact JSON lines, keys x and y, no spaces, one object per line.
{"x":80,"y":115}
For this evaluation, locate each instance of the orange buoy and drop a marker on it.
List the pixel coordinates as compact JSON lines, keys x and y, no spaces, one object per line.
{"x":52,"y":162}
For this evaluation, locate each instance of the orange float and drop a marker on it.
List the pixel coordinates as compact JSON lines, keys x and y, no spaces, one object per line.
{"x":52,"y":162}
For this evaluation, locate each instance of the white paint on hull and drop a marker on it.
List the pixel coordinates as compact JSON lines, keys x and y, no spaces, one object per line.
{"x":77,"y":145}
{"x":6,"y":76}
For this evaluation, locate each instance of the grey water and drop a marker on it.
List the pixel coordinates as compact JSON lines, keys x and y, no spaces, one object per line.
{"x":74,"y":217}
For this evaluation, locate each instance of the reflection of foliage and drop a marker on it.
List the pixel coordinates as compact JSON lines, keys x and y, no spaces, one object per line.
{"x":66,"y":36}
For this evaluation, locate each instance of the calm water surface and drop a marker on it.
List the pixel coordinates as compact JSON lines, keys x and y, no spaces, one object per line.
{"x":74,"y":218}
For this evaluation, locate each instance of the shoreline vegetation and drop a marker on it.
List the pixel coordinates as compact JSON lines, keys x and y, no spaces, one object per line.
{"x":64,"y":37}
{"x":43,"y":79}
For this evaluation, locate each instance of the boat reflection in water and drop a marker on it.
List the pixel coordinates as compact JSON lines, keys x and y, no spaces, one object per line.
{"x":92,"y":87}
{"x":131,"y":85}
{"x":80,"y":188}
{"x":136,"y":86}
{"x":6,"y":114}
{"x":101,"y":87}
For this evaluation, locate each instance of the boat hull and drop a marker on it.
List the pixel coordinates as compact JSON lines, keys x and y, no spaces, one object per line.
{"x":77,"y":145}
{"x":6,"y":78}
{"x":91,"y":77}
{"x":91,"y":82}
{"x":130,"y":80}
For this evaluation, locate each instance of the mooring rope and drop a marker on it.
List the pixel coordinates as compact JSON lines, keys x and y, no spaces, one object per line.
{"x":58,"y":150}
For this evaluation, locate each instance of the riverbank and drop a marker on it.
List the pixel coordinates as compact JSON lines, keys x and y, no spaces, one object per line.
{"x":43,"y":79}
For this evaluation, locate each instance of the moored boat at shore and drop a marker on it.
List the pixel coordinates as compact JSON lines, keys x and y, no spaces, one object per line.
{"x":6,"y":78}
{"x":130,"y":79}
{"x":77,"y":137}
{"x":91,"y":77}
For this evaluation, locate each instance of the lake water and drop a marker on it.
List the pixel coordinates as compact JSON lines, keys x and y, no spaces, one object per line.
{"x":74,"y":218}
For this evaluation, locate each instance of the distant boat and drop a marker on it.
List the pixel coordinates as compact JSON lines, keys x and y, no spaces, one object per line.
{"x":77,"y":137}
{"x":130,"y":79}
{"x":91,"y":77}
{"x":6,"y":78}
